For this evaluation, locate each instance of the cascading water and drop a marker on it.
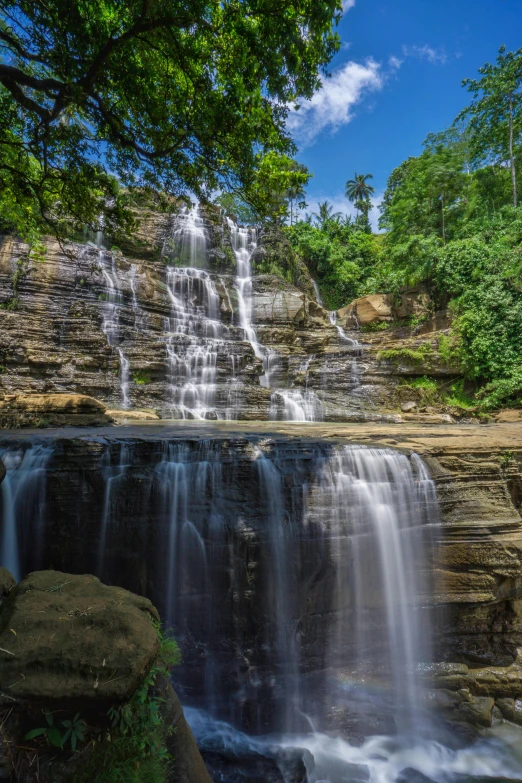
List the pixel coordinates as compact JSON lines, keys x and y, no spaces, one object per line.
{"x":286,"y":404}
{"x":113,"y":301}
{"x":23,"y":503}
{"x":195,"y":332}
{"x":294,"y":576}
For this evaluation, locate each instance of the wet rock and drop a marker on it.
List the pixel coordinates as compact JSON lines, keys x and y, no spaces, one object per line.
{"x":7,"y":582}
{"x":407,"y":407}
{"x":410,"y":775}
{"x":250,"y":768}
{"x":71,"y":637}
{"x":3,"y":471}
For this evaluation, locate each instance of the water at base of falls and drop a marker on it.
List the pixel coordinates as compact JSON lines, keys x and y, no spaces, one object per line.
{"x":316,"y":757}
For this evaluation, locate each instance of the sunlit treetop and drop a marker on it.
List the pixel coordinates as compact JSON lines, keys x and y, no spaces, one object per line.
{"x":179,"y":95}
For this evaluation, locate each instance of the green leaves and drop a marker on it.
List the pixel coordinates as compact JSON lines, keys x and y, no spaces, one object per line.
{"x":58,"y":735}
{"x":166,"y":94}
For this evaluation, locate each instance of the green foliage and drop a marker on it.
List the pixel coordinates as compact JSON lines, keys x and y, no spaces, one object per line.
{"x":494,"y":116}
{"x":428,"y":384}
{"x":237,"y":208}
{"x":180,"y":97}
{"x":141,"y":377}
{"x":60,"y":733}
{"x":457,"y":397}
{"x":136,"y":752}
{"x":506,"y":458}
{"x":503,"y":391}
{"x":340,"y":255}
{"x":407,"y":355}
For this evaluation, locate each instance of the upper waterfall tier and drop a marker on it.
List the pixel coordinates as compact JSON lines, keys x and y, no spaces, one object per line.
{"x":200,"y":329}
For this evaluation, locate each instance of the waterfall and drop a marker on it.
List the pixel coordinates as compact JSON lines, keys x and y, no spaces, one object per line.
{"x":286,"y":404}
{"x":244,"y":242}
{"x":195,"y":336}
{"x":376,"y":506}
{"x":188,"y":239}
{"x":113,"y":300}
{"x":23,"y":504}
{"x":293,"y":573}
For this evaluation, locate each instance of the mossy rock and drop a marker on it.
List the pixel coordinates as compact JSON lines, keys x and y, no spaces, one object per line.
{"x":65,"y":636}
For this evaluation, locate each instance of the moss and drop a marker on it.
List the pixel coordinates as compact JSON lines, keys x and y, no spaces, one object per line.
{"x":408,"y":355}
{"x":141,"y":377}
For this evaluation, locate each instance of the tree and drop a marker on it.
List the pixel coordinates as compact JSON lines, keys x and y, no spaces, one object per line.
{"x":359,"y":191}
{"x":163,"y":93}
{"x":276,"y":182}
{"x":325,"y":214}
{"x":495,"y":115}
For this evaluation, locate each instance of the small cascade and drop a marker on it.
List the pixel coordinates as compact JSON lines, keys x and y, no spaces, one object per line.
{"x":113,"y":477}
{"x":187,"y":243}
{"x":318,"y":297}
{"x":281,"y":591}
{"x":353,"y":346}
{"x":244,"y":242}
{"x":286,"y":404}
{"x":195,"y":336}
{"x":23,"y":505}
{"x":113,"y":301}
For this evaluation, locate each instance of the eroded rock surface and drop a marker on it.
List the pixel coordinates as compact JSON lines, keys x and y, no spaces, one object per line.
{"x":72,"y":637}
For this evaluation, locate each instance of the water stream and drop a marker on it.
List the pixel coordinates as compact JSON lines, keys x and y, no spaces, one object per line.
{"x":294,"y":576}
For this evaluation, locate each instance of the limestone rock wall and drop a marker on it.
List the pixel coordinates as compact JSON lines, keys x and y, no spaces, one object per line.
{"x":90,"y":320}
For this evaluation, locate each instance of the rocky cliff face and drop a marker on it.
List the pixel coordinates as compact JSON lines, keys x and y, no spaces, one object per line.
{"x":189,"y":519}
{"x":135,"y":331}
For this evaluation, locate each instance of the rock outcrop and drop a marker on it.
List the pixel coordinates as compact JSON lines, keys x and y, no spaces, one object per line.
{"x":96,"y":322}
{"x":70,"y":644}
{"x":72,"y":637}
{"x":74,"y":410}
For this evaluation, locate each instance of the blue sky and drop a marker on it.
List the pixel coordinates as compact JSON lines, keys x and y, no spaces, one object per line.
{"x":396,"y":78}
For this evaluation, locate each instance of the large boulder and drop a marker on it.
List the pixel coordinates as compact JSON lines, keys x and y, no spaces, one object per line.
{"x":53,"y":409}
{"x":374,"y":308}
{"x":412,"y":302}
{"x":64,"y":636}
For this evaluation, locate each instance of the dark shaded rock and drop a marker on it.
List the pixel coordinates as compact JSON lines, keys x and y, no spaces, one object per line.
{"x":252,"y":768}
{"x":7,"y":582}
{"x":187,"y":765}
{"x":73,"y":637}
{"x":274,"y":255}
{"x":3,"y":471}
{"x":410,"y":775}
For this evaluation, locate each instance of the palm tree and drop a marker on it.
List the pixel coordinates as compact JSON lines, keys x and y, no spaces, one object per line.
{"x":325,"y":213}
{"x":358,"y":190}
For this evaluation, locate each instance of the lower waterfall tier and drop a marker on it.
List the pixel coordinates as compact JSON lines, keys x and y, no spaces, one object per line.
{"x":297,"y":568}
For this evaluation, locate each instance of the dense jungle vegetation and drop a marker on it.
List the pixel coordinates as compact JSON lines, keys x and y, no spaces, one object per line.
{"x":451,"y":223}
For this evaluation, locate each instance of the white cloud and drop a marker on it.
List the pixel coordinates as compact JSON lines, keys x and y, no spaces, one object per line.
{"x":347,"y":4}
{"x":332,"y":106}
{"x":394,"y":62}
{"x":433,"y":56}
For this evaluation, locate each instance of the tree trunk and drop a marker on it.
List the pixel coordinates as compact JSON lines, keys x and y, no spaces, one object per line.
{"x":512,"y":160}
